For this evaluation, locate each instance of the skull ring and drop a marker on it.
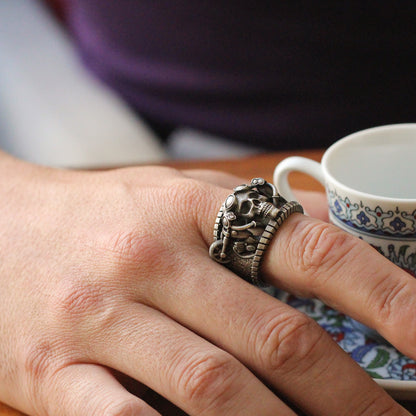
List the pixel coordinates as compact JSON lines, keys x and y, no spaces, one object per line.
{"x":245,"y":225}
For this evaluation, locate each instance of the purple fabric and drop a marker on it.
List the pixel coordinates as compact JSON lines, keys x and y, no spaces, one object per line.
{"x":281,"y":74}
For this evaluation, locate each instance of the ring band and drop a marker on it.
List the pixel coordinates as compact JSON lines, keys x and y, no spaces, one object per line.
{"x":245,"y":225}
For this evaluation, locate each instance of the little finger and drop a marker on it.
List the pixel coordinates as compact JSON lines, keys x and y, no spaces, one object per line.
{"x":88,"y":389}
{"x":190,"y":372}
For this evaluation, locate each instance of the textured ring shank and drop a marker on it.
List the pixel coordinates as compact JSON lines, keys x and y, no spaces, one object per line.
{"x":285,"y":211}
{"x":245,"y":225}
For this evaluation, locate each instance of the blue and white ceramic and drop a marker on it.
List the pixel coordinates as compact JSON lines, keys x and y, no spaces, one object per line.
{"x":370,"y":180}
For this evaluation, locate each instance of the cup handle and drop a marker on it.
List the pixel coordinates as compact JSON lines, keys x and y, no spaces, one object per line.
{"x":295,"y":163}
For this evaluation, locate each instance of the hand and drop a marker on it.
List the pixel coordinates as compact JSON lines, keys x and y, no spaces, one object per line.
{"x":107,"y":272}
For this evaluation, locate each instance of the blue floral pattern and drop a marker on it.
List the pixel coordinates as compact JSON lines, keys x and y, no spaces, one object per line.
{"x":397,"y":224}
{"x":375,"y":355}
{"x":374,"y":222}
{"x":362,"y":218}
{"x":372,"y":219}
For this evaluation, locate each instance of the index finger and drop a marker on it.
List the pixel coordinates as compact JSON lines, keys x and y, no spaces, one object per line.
{"x":311,"y":258}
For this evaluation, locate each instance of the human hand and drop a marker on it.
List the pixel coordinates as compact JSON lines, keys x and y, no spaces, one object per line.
{"x":109,"y":270}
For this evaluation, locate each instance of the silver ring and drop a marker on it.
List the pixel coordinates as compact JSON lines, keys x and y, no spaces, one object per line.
{"x":245,"y":225}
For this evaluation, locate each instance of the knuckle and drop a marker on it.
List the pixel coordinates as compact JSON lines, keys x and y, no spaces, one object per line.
{"x":37,"y":361}
{"x":132,"y":247}
{"x":207,"y":380}
{"x":387,"y":299}
{"x":194,"y":201}
{"x":187,"y":192}
{"x":189,"y":196}
{"x":320,"y":248}
{"x":87,"y":309}
{"x":41,"y":360}
{"x":287,"y":341}
{"x":138,"y":256}
{"x":76,"y":299}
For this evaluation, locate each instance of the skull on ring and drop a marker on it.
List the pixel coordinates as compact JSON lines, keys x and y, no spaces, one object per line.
{"x":251,"y":205}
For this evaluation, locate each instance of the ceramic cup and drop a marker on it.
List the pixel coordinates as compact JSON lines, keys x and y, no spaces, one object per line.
{"x":370,"y":181}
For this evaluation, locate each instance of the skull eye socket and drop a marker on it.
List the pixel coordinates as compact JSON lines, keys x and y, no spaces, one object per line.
{"x":245,"y":207}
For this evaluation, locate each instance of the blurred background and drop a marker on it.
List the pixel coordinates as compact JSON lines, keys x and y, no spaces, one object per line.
{"x":54,"y":112}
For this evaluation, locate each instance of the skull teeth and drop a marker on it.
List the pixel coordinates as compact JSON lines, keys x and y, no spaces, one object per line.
{"x":266,"y":209}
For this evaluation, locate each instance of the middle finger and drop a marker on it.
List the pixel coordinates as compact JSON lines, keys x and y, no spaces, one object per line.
{"x":315,"y":259}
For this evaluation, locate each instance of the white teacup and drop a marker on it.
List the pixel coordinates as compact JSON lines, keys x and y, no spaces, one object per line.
{"x":370,"y":181}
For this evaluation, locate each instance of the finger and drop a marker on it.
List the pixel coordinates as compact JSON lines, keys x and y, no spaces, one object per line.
{"x":152,"y":398}
{"x":314,"y":203}
{"x":218,"y":178}
{"x":88,"y":389}
{"x":190,"y":372}
{"x":315,"y":259}
{"x":281,"y":345}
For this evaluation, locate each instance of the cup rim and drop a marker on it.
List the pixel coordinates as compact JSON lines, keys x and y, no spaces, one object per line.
{"x":357,"y":136}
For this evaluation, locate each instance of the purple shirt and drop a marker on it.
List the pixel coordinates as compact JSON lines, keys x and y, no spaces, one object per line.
{"x":280,"y":74}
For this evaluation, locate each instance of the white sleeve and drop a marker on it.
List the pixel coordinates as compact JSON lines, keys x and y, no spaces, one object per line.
{"x":52,"y":111}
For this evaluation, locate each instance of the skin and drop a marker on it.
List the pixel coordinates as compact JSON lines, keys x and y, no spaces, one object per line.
{"x":106,"y":287}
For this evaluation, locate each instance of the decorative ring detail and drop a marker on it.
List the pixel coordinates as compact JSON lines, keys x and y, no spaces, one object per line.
{"x":245,"y":225}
